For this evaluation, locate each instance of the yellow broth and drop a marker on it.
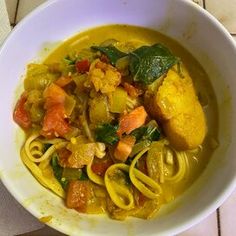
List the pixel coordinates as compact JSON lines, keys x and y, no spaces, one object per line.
{"x":123,"y":33}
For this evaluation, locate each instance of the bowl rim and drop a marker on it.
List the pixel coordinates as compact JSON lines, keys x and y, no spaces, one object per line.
{"x":196,"y":218}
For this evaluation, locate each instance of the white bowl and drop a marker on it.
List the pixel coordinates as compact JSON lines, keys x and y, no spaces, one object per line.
{"x":182,"y":20}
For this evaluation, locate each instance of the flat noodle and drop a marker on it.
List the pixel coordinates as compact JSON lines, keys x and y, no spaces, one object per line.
{"x":48,"y":182}
{"x":120,"y":195}
{"x":181,"y":159}
{"x":94,"y":177}
{"x":34,"y":150}
{"x":141,"y":181}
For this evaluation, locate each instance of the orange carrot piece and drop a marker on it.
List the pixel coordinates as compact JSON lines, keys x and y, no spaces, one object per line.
{"x":78,"y":194}
{"x":124,"y":148}
{"x":132,"y":121}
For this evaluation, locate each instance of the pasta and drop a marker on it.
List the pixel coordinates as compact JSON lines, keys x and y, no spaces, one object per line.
{"x":111,"y":129}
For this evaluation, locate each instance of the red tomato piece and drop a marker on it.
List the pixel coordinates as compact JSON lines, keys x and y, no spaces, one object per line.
{"x":101,"y":167}
{"x":20,"y":115}
{"x":78,"y":194}
{"x":82,"y":66}
{"x":54,"y":123}
{"x":63,"y":154}
{"x":54,"y":95}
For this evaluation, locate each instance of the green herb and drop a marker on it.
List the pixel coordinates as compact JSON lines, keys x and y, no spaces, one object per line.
{"x":111,"y":52}
{"x":84,"y":175}
{"x":106,"y":133}
{"x":46,"y":146}
{"x":69,"y":61}
{"x":150,"y":132}
{"x":64,"y":175}
{"x":121,"y":177}
{"x":148,"y":63}
{"x":58,"y":170}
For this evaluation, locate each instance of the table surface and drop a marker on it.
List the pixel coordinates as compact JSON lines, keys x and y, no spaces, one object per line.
{"x":220,"y":223}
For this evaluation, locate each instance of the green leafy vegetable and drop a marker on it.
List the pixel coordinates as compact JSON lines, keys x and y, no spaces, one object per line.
{"x":150,"y":132}
{"x":111,"y":52}
{"x":46,"y":146}
{"x":106,"y":133}
{"x":148,"y":63}
{"x":64,"y":175}
{"x":84,"y":175}
{"x":58,"y":170}
{"x":69,"y":61}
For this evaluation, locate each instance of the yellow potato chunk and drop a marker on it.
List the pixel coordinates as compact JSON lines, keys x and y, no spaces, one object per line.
{"x":177,"y":107}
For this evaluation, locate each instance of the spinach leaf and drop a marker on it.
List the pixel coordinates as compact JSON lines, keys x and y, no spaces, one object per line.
{"x":148,"y":63}
{"x":84,"y":176}
{"x":150,"y":132}
{"x":106,"y":133}
{"x":111,"y":52}
{"x":58,"y":170}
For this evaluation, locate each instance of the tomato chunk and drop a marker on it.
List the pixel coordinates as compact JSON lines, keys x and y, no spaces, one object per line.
{"x":78,"y":194}
{"x":101,"y":167}
{"x":82,"y":66}
{"x":63,"y":154}
{"x":54,"y":123}
{"x":20,"y":114}
{"x":54,"y":95}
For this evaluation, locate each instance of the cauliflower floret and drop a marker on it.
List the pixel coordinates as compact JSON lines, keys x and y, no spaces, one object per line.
{"x":104,"y":77}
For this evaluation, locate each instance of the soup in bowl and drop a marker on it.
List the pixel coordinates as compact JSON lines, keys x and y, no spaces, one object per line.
{"x":131,"y":119}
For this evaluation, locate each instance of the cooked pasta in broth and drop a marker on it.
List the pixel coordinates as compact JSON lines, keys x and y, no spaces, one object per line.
{"x":119,"y":120}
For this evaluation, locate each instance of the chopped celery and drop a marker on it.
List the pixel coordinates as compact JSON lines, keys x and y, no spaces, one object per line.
{"x":38,"y":77}
{"x":71,"y":173}
{"x":118,"y":100}
{"x":98,"y":110}
{"x":69,"y":104}
{"x":139,"y":147}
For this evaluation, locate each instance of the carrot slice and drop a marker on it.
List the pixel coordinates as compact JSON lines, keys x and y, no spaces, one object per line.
{"x":132,"y":121}
{"x":124,"y":148}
